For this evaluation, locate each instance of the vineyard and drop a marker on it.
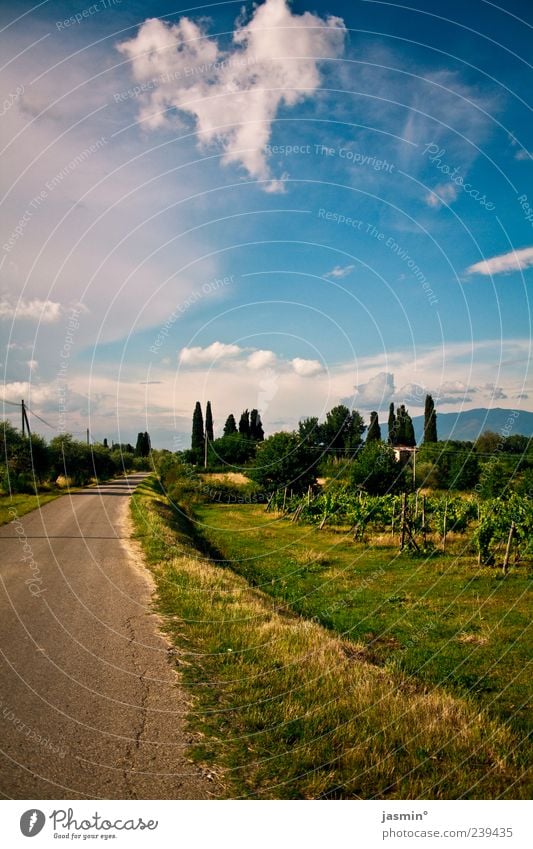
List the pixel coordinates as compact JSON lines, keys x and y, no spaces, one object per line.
{"x":498,"y":530}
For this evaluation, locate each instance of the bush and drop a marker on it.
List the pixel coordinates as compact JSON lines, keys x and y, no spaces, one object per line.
{"x":376,"y":471}
{"x":284,"y":460}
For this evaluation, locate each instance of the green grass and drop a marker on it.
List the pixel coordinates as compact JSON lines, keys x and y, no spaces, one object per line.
{"x":440,"y":619}
{"x":23,"y":504}
{"x":283,"y":708}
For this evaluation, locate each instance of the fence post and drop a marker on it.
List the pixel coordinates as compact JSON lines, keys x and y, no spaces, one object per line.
{"x":444,"y":526}
{"x":505,"y":567}
{"x":404,"y":520}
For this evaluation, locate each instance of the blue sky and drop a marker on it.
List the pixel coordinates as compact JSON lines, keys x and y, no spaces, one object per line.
{"x":283,"y":206}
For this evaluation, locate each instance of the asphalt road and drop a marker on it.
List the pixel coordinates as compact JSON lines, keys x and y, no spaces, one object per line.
{"x":89,"y":705}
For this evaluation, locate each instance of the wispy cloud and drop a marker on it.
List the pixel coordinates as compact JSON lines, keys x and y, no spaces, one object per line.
{"x":512,"y":261}
{"x":33,"y":310}
{"x":233,"y":95}
{"x":340,"y":271}
{"x":441,"y":194}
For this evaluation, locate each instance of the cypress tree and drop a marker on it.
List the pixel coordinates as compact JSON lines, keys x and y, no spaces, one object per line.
{"x":256,"y":426}
{"x":393,"y":426}
{"x":146,"y":445}
{"x":230,"y":426}
{"x":139,"y":445}
{"x":374,"y":430}
{"x":197,"y":438}
{"x":244,"y":423}
{"x":209,"y":422}
{"x":430,"y":420}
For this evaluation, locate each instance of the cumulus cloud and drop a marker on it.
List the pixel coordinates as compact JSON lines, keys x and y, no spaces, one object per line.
{"x":377,"y":391}
{"x":340,"y":271}
{"x":260,"y":360}
{"x":496,"y":392}
{"x":216,"y":351}
{"x":233,"y":95}
{"x":454,"y":387}
{"x":33,"y":310}
{"x":512,"y":261}
{"x":306,"y":368}
{"x":443,"y":193}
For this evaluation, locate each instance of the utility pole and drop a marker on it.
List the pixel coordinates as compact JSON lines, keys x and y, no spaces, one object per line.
{"x":25,"y":420}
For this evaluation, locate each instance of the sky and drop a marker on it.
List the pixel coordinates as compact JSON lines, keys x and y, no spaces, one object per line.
{"x":281,"y":205}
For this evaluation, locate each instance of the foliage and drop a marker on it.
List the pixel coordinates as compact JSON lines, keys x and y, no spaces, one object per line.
{"x":209,"y":422}
{"x":376,"y":471}
{"x":230,"y":425}
{"x":231,"y":450}
{"x":244,"y":424}
{"x":430,"y":420}
{"x":374,"y":430}
{"x":143,"y":446}
{"x":284,"y":460}
{"x":197,"y":436}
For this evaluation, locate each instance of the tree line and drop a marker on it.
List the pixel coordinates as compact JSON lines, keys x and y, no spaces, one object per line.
{"x":236,"y":446}
{"x":28,"y":462}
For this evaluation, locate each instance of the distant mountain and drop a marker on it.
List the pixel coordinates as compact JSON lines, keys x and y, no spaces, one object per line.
{"x":468,"y":424}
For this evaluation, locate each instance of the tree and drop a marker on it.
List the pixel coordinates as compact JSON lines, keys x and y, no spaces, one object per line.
{"x":430,"y":420}
{"x":256,"y":426}
{"x":105,"y":443}
{"x":209,"y":423}
{"x":284,"y":460}
{"x":376,"y":471}
{"x":342,"y":430}
{"x":244,"y":424}
{"x":374,"y":430}
{"x":405,"y":432}
{"x":197,"y":437}
{"x":146,"y":445}
{"x":230,"y":450}
{"x":143,"y":446}
{"x":230,"y":426}
{"x":393,"y":426}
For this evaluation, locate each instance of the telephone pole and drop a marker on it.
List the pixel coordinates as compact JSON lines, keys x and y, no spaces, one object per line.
{"x":25,"y":421}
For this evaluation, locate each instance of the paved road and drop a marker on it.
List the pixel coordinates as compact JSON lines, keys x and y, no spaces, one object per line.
{"x":89,"y":705}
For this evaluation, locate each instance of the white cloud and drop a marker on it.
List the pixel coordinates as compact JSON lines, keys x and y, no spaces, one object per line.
{"x":377,"y":391}
{"x":261,"y":359}
{"x":340,"y":271}
{"x":306,"y":368}
{"x":216,"y":351}
{"x":233,"y":95}
{"x":33,"y":310}
{"x":513,"y":261}
{"x":523,"y":155}
{"x":443,"y":193}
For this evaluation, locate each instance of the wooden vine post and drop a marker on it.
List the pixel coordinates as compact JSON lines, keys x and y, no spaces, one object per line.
{"x":444,"y":526}
{"x":505,"y":567}
{"x":404,"y":521}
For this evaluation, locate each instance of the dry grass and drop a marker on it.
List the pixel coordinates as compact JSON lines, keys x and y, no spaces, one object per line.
{"x":226,"y":477}
{"x":287,"y":712}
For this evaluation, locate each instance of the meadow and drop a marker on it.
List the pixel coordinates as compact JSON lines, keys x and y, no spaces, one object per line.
{"x":320,"y":668}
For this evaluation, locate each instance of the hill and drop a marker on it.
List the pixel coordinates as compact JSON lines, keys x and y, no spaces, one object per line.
{"x":468,"y":424}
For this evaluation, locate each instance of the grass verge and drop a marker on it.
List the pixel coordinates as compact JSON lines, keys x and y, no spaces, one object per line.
{"x":285,"y":709}
{"x":23,"y":504}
